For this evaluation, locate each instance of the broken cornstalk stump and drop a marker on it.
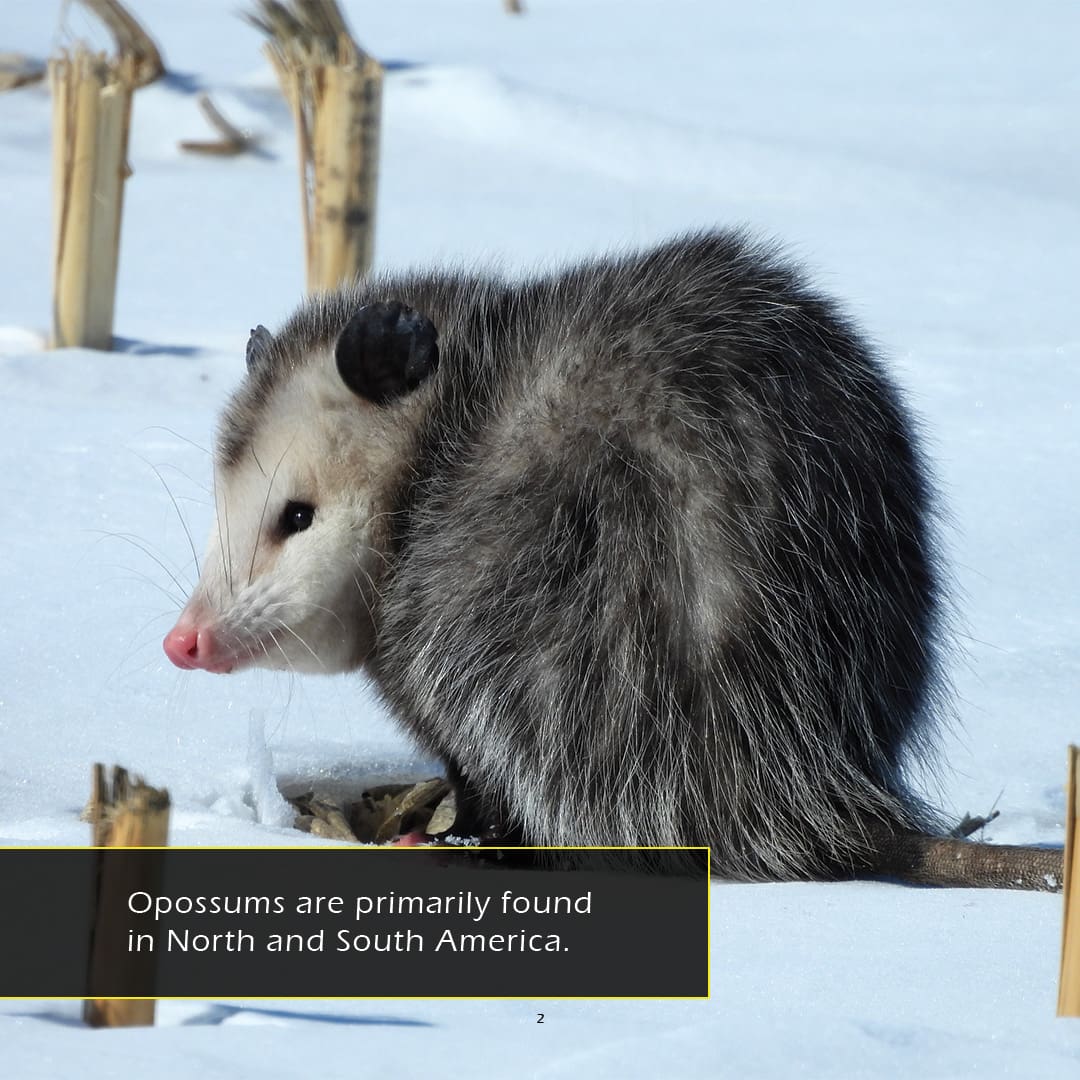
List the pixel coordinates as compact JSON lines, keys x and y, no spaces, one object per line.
{"x":92,"y":95}
{"x":334,"y":90}
{"x":1069,"y":985}
{"x":91,"y":119}
{"x":126,"y":813}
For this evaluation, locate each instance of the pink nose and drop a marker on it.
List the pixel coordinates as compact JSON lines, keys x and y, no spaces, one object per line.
{"x":189,"y":647}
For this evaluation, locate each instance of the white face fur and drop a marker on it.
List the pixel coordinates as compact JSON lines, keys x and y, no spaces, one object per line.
{"x":291,"y":572}
{"x":310,"y":450}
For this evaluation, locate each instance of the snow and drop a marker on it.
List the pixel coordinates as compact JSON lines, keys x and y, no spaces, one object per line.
{"x":920,"y":159}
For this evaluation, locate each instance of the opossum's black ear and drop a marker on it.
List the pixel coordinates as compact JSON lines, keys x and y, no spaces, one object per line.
{"x":386,"y":350}
{"x":258,"y":346}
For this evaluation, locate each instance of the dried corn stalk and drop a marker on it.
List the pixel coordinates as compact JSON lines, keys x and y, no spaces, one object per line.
{"x":335,"y":92}
{"x":124,"y":813}
{"x":18,"y":70}
{"x":1069,"y":986}
{"x":91,"y":120}
{"x":231,"y":141}
{"x":130,"y":38}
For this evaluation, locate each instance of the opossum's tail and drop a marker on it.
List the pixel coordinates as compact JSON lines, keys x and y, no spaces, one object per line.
{"x":947,"y":861}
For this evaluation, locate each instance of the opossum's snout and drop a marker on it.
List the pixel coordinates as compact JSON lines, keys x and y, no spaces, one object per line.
{"x":261,"y":587}
{"x":191,"y":647}
{"x":283,"y":595}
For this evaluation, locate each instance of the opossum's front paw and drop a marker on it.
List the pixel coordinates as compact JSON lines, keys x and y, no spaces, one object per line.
{"x":386,"y":350}
{"x":478,"y":815}
{"x":476,"y":820}
{"x":488,"y":832}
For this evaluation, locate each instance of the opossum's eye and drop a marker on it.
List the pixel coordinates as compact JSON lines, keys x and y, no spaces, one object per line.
{"x":385,"y":351}
{"x":296,"y":517}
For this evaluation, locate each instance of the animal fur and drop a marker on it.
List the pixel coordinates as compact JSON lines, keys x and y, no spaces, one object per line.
{"x":642,"y":550}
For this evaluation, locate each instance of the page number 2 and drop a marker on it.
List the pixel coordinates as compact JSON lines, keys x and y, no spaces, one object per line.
{"x":539,"y":1018}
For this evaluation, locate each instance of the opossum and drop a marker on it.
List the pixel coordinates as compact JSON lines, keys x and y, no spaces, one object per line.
{"x":644,"y":550}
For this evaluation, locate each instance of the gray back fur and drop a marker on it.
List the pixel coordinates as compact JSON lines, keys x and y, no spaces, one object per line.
{"x":662,"y":570}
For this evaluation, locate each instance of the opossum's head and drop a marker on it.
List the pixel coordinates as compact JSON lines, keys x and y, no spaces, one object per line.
{"x":309,"y":452}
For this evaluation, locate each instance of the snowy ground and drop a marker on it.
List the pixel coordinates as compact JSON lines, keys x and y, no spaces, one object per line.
{"x":922,"y":159}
